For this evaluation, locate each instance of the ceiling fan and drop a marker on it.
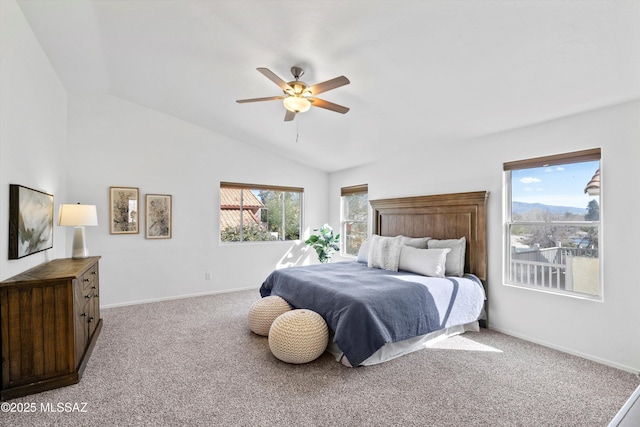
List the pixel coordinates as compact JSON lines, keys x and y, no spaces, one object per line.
{"x":298,"y":96}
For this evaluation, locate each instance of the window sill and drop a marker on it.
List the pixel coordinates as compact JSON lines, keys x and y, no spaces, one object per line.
{"x":260,"y":242}
{"x":575,"y":295}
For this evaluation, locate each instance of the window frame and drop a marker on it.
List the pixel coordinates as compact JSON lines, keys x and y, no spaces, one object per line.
{"x":509,"y":222}
{"x":346,"y":192}
{"x":251,"y":187}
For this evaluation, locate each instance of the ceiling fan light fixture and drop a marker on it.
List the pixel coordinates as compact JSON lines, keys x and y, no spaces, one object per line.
{"x":299,"y":97}
{"x":296,"y":104}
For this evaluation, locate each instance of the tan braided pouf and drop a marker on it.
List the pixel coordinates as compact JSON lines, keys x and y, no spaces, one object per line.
{"x":264,"y":311}
{"x":298,"y":336}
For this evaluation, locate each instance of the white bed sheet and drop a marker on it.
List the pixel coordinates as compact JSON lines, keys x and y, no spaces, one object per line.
{"x":396,"y":349}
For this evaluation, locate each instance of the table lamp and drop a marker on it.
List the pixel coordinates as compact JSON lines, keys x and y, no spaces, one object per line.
{"x":78,"y":216}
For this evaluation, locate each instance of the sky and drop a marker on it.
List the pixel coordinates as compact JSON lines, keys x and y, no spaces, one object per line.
{"x":561,"y":185}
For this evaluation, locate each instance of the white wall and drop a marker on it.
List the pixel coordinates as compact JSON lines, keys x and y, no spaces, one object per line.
{"x":117,"y":143}
{"x":77,"y":148}
{"x":607,"y":331}
{"x":112,"y":142}
{"x":33,"y":127}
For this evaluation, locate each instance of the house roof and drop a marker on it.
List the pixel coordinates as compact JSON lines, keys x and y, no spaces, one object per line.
{"x":230,"y":199}
{"x":422,"y":72}
{"x":231,"y":218}
{"x":230,"y":207}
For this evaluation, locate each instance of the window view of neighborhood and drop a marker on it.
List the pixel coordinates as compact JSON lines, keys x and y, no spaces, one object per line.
{"x":259,"y":213}
{"x":553,"y":227}
{"x":355,"y":218}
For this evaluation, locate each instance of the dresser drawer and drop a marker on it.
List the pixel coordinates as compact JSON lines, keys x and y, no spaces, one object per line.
{"x":90,"y":277}
{"x":87,"y":294}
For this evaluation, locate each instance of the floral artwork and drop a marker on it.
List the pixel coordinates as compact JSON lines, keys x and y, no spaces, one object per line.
{"x":158,"y":216}
{"x":124,"y":210}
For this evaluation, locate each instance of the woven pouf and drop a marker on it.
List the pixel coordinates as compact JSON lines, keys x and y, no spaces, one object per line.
{"x":264,"y":311}
{"x":298,"y":336}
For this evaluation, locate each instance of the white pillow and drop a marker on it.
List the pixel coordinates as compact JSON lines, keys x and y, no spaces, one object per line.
{"x":428,"y":262}
{"x":384,"y":252}
{"x":455,"y":260}
{"x":363,"y":252}
{"x":416,"y":242}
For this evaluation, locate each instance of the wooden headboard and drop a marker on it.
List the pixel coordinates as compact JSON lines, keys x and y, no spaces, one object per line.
{"x":441,"y":216}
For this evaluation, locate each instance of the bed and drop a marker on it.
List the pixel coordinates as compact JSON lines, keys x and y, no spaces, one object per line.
{"x":375,"y":313}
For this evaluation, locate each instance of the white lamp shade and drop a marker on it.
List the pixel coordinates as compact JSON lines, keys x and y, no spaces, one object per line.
{"x":77,"y":215}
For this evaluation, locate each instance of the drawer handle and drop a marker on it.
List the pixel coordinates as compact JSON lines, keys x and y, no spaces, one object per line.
{"x":93,"y":287}
{"x":87,"y":296}
{"x":96,"y":295}
{"x":94,"y":272}
{"x":87,"y":280}
{"x":84,"y":315}
{"x":91,"y":319}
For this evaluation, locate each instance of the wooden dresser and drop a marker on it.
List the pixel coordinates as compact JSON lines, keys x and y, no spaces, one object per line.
{"x":49,"y":324}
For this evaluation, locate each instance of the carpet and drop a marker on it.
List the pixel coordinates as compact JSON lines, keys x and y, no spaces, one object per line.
{"x":194,"y":362}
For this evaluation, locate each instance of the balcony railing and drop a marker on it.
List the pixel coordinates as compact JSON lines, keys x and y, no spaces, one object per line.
{"x":546,"y":267}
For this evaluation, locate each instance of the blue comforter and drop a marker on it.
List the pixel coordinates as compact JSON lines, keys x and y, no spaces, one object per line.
{"x":369,"y":307}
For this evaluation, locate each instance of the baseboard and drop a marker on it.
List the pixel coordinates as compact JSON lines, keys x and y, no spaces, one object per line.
{"x":147,"y":301}
{"x":568,"y":350}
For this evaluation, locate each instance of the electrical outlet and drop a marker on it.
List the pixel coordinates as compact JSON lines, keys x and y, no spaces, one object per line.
{"x":207,"y":276}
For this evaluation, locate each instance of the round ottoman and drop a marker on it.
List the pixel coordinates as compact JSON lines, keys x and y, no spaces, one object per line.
{"x":298,"y":336}
{"x":264,"y":311}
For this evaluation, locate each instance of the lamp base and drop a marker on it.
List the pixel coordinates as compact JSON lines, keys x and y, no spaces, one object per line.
{"x":79,"y":250}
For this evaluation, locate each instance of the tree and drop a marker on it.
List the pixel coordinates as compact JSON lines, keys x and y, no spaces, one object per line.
{"x":278,"y":203}
{"x":355,"y":214}
{"x":250,"y":232}
{"x":593,"y":211}
{"x":547,"y":235}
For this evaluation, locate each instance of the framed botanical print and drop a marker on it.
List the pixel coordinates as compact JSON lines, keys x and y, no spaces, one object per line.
{"x":158,"y":216}
{"x":123,"y":210}
{"x":30,"y":221}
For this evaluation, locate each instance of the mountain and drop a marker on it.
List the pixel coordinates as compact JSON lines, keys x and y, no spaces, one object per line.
{"x":520,"y":208}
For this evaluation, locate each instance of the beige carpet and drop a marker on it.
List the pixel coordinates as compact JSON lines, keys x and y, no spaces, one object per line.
{"x":194,"y":362}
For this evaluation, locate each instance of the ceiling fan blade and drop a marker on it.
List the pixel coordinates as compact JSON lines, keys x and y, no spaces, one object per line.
{"x":317,"y":102}
{"x":328,"y":85}
{"x":274,"y":78}
{"x":268,"y":98}
{"x":289,"y":116}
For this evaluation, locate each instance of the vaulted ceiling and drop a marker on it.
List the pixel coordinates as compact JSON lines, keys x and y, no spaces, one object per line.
{"x":421,"y":72}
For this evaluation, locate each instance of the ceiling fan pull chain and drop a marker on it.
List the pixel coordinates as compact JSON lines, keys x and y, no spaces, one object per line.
{"x":297,"y":132}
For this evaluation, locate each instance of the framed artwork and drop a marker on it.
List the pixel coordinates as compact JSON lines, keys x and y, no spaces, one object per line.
{"x":30,"y":221}
{"x":123,"y":210}
{"x":158,"y":216}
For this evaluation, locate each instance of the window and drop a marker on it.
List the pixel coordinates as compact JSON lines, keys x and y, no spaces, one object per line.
{"x":355,"y":216}
{"x":251,"y":213}
{"x":553,"y":223}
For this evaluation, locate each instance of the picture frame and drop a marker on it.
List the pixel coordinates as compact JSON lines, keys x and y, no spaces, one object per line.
{"x":124,"y":210}
{"x":30,"y":221}
{"x":158,"y":216}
